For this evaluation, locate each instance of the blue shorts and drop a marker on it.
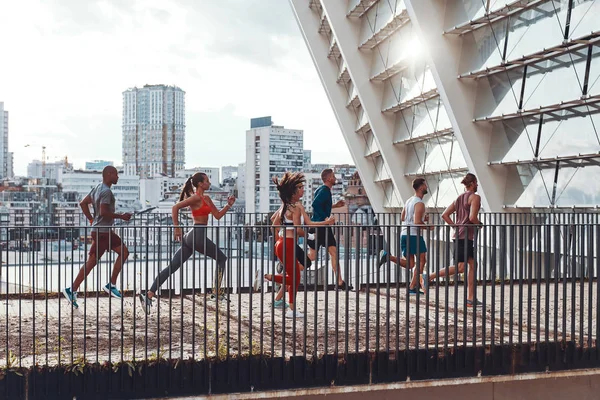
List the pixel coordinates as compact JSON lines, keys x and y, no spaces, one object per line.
{"x":413,"y":245}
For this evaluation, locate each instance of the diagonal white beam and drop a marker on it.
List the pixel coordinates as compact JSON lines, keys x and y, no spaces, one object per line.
{"x":328,"y":70}
{"x":370,"y":93}
{"x":459,"y":97}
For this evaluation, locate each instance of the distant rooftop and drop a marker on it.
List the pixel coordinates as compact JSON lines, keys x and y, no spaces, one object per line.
{"x":260,"y":122}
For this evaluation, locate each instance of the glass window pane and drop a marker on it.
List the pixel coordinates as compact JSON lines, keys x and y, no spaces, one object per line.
{"x":558,"y":80}
{"x":444,"y":190}
{"x":584,"y":18}
{"x":537,"y":28}
{"x":506,"y":89}
{"x":580,"y":188}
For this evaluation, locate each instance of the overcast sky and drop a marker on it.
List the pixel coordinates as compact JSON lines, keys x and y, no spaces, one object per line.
{"x":65,"y":63}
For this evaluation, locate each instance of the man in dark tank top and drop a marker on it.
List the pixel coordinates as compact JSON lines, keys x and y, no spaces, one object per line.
{"x":466,"y":207}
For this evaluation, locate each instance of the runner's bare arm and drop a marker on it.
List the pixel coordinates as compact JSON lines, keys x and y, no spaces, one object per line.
{"x":475,"y":206}
{"x":85,"y":207}
{"x":307,"y":221}
{"x":218,"y":214}
{"x":105,"y":211}
{"x":449,"y":211}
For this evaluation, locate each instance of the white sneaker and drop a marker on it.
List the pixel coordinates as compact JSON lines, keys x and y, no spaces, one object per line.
{"x":293,"y":314}
{"x":257,"y":285}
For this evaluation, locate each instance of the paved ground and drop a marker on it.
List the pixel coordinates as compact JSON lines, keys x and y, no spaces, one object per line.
{"x":48,"y":332}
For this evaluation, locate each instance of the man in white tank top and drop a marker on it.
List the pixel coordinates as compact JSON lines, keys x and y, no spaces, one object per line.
{"x":411,"y":239}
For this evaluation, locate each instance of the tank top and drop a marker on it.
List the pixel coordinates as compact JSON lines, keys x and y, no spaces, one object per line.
{"x":409,"y":216}
{"x":463,"y":211}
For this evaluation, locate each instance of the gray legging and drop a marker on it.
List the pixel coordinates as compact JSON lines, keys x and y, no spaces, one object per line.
{"x":194,"y":240}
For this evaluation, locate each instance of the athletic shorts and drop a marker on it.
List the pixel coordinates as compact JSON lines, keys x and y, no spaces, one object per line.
{"x":459,"y":249}
{"x":103,"y":241}
{"x":323,"y":238}
{"x":412,"y":248}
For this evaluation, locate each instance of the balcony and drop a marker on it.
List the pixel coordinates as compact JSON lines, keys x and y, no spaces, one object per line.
{"x":494,"y":16}
{"x":386,"y":31}
{"x":360,"y":8}
{"x":421,"y":98}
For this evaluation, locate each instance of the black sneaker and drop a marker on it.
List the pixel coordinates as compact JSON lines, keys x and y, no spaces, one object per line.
{"x":344,"y":286}
{"x":145,"y":303}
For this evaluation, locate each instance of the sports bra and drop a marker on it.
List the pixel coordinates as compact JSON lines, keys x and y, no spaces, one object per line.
{"x":203,"y":211}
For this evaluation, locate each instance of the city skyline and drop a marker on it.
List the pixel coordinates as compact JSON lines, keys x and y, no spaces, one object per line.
{"x":90,"y":57}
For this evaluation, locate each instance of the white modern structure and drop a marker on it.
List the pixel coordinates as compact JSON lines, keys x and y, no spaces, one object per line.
{"x":50,"y":170}
{"x":154,"y":190}
{"x":213,"y":173}
{"x":127,"y":191}
{"x":97,"y":165}
{"x":153,"y":130}
{"x":506,"y":89}
{"x":271,"y":150}
{"x":229,"y":171}
{"x":4,"y":156}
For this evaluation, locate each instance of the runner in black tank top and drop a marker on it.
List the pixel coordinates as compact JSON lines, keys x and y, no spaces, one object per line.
{"x":466,"y":207}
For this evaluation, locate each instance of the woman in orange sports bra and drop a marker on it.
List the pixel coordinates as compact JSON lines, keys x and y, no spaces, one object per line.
{"x":289,"y":216}
{"x":195,"y":239}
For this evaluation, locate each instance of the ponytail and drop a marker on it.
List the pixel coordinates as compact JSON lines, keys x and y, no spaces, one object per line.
{"x":187,"y":190}
{"x":191,"y":184}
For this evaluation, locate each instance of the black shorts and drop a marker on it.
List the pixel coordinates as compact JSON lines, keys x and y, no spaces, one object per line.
{"x":459,"y":250}
{"x":323,"y":238}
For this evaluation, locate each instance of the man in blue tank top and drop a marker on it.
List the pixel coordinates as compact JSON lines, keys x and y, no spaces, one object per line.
{"x":411,"y":239}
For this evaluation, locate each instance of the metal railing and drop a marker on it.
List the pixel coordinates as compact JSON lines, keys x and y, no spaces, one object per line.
{"x":535,"y":275}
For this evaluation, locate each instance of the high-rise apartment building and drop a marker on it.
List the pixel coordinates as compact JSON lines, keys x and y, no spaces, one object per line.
{"x":508,"y":90}
{"x":4,"y":158}
{"x":271,"y":150}
{"x":153,"y":130}
{"x":11,"y":165}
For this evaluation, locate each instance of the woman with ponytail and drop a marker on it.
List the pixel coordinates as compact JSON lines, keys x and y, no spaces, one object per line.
{"x":290,"y":215}
{"x":192,"y":196}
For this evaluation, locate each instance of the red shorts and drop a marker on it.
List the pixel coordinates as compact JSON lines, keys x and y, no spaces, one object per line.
{"x":103,"y":241}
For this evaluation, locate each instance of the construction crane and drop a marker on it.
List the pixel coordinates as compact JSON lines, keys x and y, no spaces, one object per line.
{"x":43,"y":159}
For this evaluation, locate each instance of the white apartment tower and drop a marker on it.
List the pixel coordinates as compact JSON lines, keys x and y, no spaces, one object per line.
{"x":506,"y":89}
{"x":153,"y":130}
{"x":270,"y":151}
{"x":4,"y":157}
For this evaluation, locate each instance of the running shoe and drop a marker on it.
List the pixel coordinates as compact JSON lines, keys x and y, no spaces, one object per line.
{"x":145,"y":303}
{"x":474,"y":303}
{"x":293,"y":314}
{"x":414,"y":292}
{"x":383,"y":258}
{"x":71,"y":296}
{"x":112,"y":290}
{"x":280,"y":304}
{"x":222,"y":298}
{"x":344,"y":286}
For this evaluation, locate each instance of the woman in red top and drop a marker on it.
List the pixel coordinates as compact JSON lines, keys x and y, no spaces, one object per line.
{"x":289,"y":215}
{"x":195,"y":239}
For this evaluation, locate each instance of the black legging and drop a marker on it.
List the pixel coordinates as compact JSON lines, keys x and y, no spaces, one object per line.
{"x":194,"y":240}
